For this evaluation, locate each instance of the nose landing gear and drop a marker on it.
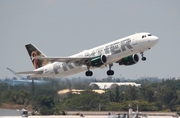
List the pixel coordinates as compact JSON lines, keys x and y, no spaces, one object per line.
{"x":143,"y":58}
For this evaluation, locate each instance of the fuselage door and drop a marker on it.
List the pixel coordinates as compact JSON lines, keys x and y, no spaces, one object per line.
{"x":134,"y":39}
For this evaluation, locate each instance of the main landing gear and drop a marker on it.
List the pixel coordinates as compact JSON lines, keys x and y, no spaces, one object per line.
{"x":110,"y":72}
{"x":143,"y":58}
{"x":89,"y":73}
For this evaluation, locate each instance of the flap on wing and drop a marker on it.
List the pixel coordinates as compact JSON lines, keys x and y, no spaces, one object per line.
{"x":30,"y":72}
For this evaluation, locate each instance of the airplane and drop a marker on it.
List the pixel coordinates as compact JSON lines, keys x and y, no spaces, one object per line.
{"x":123,"y":51}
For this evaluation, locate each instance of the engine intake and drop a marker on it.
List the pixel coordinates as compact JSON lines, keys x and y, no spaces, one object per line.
{"x":98,"y":60}
{"x":129,"y":60}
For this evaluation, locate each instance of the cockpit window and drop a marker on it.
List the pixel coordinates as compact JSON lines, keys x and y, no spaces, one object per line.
{"x":149,"y":35}
{"x":143,"y":36}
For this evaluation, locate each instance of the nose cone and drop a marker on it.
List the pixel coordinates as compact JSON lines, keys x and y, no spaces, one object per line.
{"x":154,"y":40}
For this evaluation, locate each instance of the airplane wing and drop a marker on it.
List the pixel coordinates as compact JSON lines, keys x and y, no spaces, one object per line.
{"x":81,"y":60}
{"x":77,"y":60}
{"x":30,"y":72}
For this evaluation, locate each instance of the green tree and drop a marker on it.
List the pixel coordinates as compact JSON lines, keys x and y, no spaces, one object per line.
{"x":44,"y":110}
{"x":87,"y":100}
{"x":47,"y":101}
{"x":148,"y":93}
{"x":131,"y":93}
{"x":117,"y":97}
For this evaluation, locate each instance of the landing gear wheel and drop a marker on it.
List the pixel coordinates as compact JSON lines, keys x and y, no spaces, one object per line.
{"x":110,"y":72}
{"x":143,"y":58}
{"x":89,"y":73}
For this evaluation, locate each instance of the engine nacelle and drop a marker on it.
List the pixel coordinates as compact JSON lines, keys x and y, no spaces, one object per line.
{"x":129,"y":60}
{"x":98,"y":60}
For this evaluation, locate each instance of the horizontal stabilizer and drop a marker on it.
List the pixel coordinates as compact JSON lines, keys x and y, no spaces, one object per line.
{"x":30,"y":72}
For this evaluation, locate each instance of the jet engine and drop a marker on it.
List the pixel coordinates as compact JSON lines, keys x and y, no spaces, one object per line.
{"x":129,"y":60}
{"x":98,"y":60}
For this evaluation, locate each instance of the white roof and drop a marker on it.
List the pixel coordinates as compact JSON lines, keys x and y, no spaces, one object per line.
{"x":106,"y":85}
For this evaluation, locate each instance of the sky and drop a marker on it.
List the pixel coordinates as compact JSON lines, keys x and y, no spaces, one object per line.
{"x":66,"y":27}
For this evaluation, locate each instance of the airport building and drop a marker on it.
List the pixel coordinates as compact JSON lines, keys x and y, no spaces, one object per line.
{"x":108,"y":85}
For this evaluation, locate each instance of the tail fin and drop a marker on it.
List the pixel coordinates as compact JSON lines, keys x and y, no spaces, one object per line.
{"x":33,"y":52}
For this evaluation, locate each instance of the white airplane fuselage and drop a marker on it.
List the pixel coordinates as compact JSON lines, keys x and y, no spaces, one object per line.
{"x":114,"y":51}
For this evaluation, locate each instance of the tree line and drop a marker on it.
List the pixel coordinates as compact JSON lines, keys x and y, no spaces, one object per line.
{"x":151,"y":96}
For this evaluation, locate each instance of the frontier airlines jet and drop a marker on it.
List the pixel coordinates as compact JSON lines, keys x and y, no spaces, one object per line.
{"x":122,"y":51}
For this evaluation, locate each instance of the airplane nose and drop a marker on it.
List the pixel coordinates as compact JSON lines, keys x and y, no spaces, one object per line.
{"x":154,"y":39}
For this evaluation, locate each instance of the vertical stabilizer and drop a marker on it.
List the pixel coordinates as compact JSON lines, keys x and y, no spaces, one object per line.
{"x":33,"y":52}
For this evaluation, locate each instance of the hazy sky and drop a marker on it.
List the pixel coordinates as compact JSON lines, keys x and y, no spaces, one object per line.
{"x":65,"y":27}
